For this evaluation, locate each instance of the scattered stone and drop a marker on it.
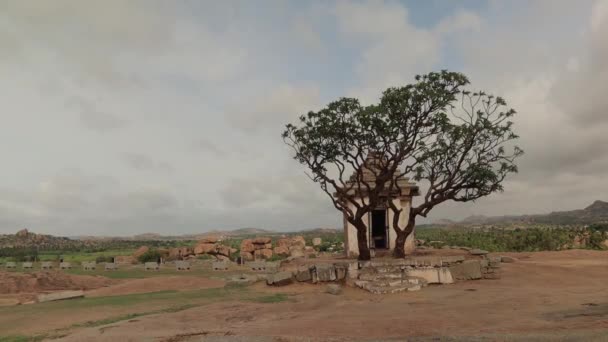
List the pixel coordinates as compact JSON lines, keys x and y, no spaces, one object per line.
{"x":257,"y":265}
{"x":151,"y":266}
{"x":10,"y":264}
{"x":303,"y":274}
{"x":324,"y":273}
{"x":468,"y":249}
{"x":182,"y":265}
{"x":279,"y":279}
{"x":65,"y":265}
{"x":334,"y":289}
{"x":48,"y":297}
{"x":468,"y":270}
{"x":219,"y":266}
{"x":88,"y":266}
{"x":478,"y":252}
{"x":27,"y":265}
{"x":110,"y":266}
{"x":507,"y":259}
{"x":341,"y":271}
{"x":46,"y":265}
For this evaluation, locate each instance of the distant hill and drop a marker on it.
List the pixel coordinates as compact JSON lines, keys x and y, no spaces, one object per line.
{"x":27,"y":239}
{"x":597,"y":212}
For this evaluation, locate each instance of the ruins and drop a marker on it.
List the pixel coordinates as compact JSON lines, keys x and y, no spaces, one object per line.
{"x":380,"y":235}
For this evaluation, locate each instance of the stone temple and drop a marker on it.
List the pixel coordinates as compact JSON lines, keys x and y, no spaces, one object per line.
{"x":381,"y":236}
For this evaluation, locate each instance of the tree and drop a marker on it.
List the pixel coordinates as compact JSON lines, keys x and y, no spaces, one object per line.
{"x":433,"y":129}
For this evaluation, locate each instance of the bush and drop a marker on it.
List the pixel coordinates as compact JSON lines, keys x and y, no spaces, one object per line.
{"x":150,"y":256}
{"x":103,"y":258}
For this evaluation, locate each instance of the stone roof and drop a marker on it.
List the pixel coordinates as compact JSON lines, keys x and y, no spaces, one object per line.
{"x":405,"y":188}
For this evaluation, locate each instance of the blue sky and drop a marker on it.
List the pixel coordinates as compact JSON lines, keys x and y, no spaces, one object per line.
{"x":129,"y":117}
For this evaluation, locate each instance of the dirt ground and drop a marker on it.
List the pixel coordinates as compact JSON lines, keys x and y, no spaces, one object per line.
{"x":546,"y":296}
{"x":180,"y":283}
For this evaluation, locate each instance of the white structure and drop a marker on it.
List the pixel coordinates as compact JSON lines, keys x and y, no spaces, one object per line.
{"x":381,"y":236}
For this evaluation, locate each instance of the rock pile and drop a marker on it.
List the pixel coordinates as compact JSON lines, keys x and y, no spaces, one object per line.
{"x":212,"y":246}
{"x":258,"y":248}
{"x":294,"y":247}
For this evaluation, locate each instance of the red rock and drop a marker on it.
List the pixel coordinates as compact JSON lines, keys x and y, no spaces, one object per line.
{"x":247,"y":256}
{"x":247,"y":246}
{"x":204,"y":248}
{"x":223,"y":250}
{"x":262,"y":240}
{"x":281,"y":250}
{"x":263,"y":254}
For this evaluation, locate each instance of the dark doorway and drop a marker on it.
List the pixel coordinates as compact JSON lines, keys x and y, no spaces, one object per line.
{"x":379,"y":237}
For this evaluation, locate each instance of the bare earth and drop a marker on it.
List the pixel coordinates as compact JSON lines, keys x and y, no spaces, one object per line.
{"x":546,"y":296}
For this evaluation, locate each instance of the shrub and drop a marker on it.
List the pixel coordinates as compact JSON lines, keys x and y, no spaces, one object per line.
{"x":150,"y":256}
{"x":103,"y":258}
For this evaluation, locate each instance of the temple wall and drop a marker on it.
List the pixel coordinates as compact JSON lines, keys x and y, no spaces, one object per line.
{"x":350,"y":244}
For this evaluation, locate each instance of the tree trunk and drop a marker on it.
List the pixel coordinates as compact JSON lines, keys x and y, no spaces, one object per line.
{"x":402,"y":235}
{"x":362,"y":240}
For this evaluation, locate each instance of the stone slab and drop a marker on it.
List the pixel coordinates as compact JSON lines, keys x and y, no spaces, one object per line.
{"x":151,"y":266}
{"x":279,"y":279}
{"x":110,"y":266}
{"x":219,"y":266}
{"x":48,"y":297}
{"x":468,"y":270}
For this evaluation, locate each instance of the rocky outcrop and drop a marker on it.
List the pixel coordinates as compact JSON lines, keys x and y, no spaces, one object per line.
{"x":212,"y":246}
{"x":258,"y":248}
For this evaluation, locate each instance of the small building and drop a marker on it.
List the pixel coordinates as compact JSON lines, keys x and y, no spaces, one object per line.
{"x":381,"y":236}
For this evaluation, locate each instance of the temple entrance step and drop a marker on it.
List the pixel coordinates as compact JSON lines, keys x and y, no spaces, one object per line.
{"x":380,"y":287}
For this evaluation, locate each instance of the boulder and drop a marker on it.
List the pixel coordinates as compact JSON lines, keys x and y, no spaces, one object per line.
{"x":281,"y":251}
{"x":325,"y":272}
{"x":140,"y":251}
{"x":263,"y":254}
{"x":478,"y":252}
{"x":223,"y":250}
{"x":298,"y":241}
{"x":208,"y":239}
{"x":341,"y":271}
{"x":204,"y":248}
{"x":334,"y":289}
{"x":247,"y":246}
{"x":303,"y":274}
{"x":246,"y":256}
{"x":316,"y":242}
{"x":284,"y":242}
{"x":279,"y":279}
{"x":468,"y":270}
{"x":296,"y":253}
{"x":222,"y":257}
{"x":262,"y":240}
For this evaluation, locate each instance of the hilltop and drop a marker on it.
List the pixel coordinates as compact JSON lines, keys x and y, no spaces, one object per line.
{"x":597,"y":212}
{"x":27,"y":239}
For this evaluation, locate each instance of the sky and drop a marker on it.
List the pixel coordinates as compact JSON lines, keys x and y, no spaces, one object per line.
{"x":124,"y":117}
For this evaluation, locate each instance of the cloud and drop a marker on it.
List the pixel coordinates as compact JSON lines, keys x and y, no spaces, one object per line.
{"x":273,"y":107}
{"x":142,"y":162}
